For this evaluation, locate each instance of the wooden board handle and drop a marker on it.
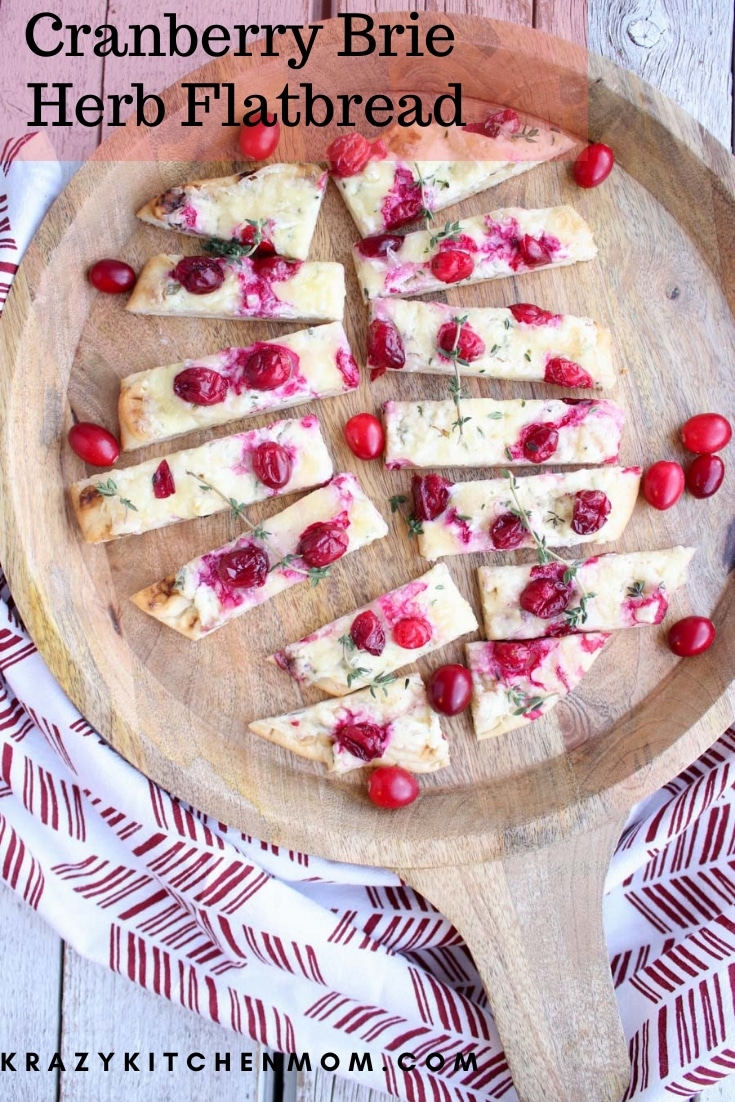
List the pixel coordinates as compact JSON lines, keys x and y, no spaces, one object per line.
{"x":534,"y":925}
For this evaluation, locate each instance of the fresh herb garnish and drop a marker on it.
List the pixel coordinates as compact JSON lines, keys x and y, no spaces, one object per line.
{"x":216,"y":247}
{"x":109,"y":489}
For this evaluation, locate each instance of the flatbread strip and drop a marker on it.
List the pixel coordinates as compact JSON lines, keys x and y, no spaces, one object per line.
{"x":619,"y":591}
{"x":271,"y":288}
{"x":433,"y":167}
{"x":553,"y":348}
{"x":124,"y":502}
{"x":150,"y":410}
{"x":508,"y":433}
{"x":329,"y":658}
{"x":515,"y":683}
{"x":280,"y":201}
{"x":502,"y":243}
{"x":196,"y":601}
{"x":477,"y":514}
{"x":391,"y":726}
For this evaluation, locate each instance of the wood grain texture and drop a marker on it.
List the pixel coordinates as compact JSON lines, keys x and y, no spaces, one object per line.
{"x":683,"y":48}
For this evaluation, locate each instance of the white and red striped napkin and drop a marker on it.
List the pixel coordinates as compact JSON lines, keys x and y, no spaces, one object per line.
{"x":306,"y":955}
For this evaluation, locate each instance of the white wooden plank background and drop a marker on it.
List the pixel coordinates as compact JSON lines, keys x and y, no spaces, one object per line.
{"x":52,"y":999}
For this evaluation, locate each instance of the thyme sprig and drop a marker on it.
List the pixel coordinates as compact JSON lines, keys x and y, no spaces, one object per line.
{"x":450,"y":232}
{"x":426,"y":212}
{"x":217,"y":247}
{"x":527,"y":134}
{"x":414,"y":525}
{"x":356,"y":673}
{"x":109,"y":489}
{"x":456,"y":389}
{"x":522,"y":701}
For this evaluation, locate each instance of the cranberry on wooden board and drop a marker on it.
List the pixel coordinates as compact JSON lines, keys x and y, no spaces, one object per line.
{"x":367,"y":633}
{"x":244,"y":568}
{"x":412,"y":632}
{"x":593,"y":165}
{"x":199,"y":275}
{"x":507,"y":532}
{"x":450,"y":689}
{"x":261,"y":140}
{"x":390,"y":786}
{"x":272,"y":464}
{"x":430,"y":495}
{"x":591,"y":510}
{"x":663,"y":484}
{"x":365,"y":436}
{"x":163,"y":481}
{"x":348,"y":154}
{"x":545,"y":597}
{"x":202,"y":386}
{"x":704,"y":476}
{"x":112,"y":277}
{"x":706,"y":433}
{"x":692,"y":635}
{"x":322,"y":543}
{"x":93,"y":443}
{"x":452,"y":265}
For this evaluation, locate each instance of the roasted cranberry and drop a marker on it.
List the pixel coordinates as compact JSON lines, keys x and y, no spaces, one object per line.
{"x":199,"y":275}
{"x":349,"y":154}
{"x":412,"y":632}
{"x":469,"y":347}
{"x":533,"y":252}
{"x":705,"y":475}
{"x":247,"y":237}
{"x":513,"y":658}
{"x":529,"y":314}
{"x":539,"y":442}
{"x":367,"y":633}
{"x":163,"y":481}
{"x":507,"y":119}
{"x":430,"y":495}
{"x":452,"y":265}
{"x":245,"y":568}
{"x":405,"y":202}
{"x":365,"y":741}
{"x":268,"y":367}
{"x":507,"y":532}
{"x":202,"y":386}
{"x":379,"y":245}
{"x":275,"y":269}
{"x":565,"y":372}
{"x":545,"y":597}
{"x":384,"y":348}
{"x":272,"y":464}
{"x":591,"y":510}
{"x":322,"y":543}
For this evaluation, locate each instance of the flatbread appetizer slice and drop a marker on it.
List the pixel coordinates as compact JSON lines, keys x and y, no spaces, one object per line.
{"x":391,"y":726}
{"x":240,"y":288}
{"x":500,"y":514}
{"x":599,"y":594}
{"x":410,"y":170}
{"x":282,"y":458}
{"x":515,"y":683}
{"x":299,"y":544}
{"x":273,"y":209}
{"x":276,"y":374}
{"x":502,"y":243}
{"x":366,"y":646}
{"x":483,"y":432}
{"x":523,"y":343}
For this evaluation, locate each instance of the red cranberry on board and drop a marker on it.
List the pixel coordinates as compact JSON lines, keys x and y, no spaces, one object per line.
{"x":692,"y":635}
{"x":391,"y":786}
{"x":706,"y":433}
{"x":349,"y":154}
{"x":450,"y":689}
{"x":367,"y":633}
{"x":94,"y":444}
{"x":111,"y":277}
{"x":322,"y":543}
{"x":705,"y":475}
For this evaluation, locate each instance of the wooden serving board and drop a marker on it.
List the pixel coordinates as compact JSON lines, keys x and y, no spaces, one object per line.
{"x":513,"y":841}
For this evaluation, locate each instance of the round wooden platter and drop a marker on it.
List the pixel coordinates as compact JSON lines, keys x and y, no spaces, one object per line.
{"x":513,"y":840}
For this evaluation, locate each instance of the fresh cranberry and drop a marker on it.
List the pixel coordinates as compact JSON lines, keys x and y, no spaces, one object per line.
{"x":367,"y":633}
{"x":539,"y":442}
{"x":199,"y":275}
{"x":202,"y":386}
{"x":112,"y":277}
{"x":706,"y":433}
{"x":565,"y":372}
{"x":529,"y":314}
{"x":507,"y":119}
{"x":692,"y":635}
{"x":163,"y":481}
{"x":384,"y":348}
{"x":93,"y":443}
{"x":663,"y":484}
{"x":379,"y":245}
{"x":322,"y":543}
{"x":451,"y":266}
{"x":245,"y":568}
{"x":593,"y":165}
{"x":450,"y":689}
{"x":391,"y":786}
{"x":247,"y":237}
{"x":268,"y":367}
{"x":507,"y":532}
{"x":469,"y":347}
{"x":365,"y":436}
{"x":412,"y":632}
{"x":349,"y":154}
{"x":533,"y":252}
{"x":705,"y":476}
{"x":430,"y":495}
{"x":591,"y":510}
{"x":513,"y":658}
{"x":272,"y":464}
{"x":275,"y":269}
{"x":365,"y":741}
{"x":545,"y":597}
{"x":259,"y":140}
